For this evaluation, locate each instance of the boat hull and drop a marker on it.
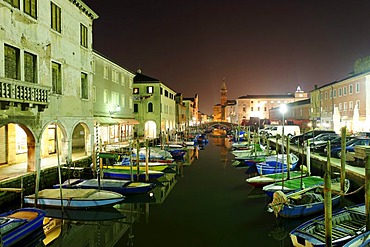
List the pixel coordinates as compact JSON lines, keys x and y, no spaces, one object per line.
{"x":75,"y":198}
{"x":347,"y":223}
{"x":27,"y":227}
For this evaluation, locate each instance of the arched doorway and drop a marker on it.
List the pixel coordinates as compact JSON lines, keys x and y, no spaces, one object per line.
{"x":53,"y":133}
{"x":80,"y":140}
{"x":17,"y":145}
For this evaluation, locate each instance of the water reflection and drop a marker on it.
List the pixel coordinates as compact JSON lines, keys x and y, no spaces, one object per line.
{"x":105,"y":227}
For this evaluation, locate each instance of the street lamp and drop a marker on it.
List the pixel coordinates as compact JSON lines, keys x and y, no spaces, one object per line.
{"x":283,"y":110}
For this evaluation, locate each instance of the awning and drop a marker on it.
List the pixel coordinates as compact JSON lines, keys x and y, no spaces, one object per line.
{"x":114,"y":121}
{"x":105,"y":120}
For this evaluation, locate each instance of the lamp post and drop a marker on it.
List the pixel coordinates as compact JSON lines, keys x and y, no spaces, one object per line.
{"x":283,"y":110}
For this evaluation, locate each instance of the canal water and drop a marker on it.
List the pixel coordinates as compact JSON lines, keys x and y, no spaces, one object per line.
{"x":204,"y":203}
{"x":211,"y":205}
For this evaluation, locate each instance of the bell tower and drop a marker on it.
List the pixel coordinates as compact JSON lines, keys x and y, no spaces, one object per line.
{"x":223,"y":93}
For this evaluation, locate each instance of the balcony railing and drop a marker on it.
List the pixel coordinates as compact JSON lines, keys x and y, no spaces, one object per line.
{"x":14,"y":92}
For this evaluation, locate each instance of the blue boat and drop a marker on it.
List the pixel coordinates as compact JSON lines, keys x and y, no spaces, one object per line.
{"x":305,"y":202}
{"x":361,"y":240}
{"x":278,"y":165}
{"x":126,"y":174}
{"x":18,"y":224}
{"x":347,"y":223}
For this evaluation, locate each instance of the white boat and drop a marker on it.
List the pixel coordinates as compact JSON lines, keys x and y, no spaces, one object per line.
{"x":75,"y":198}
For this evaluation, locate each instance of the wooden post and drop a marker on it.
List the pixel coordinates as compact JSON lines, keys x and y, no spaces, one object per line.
{"x":343,"y":162}
{"x":367,"y":189}
{"x":146,"y":160}
{"x":289,"y":161}
{"x":137,"y":159}
{"x":327,"y":200}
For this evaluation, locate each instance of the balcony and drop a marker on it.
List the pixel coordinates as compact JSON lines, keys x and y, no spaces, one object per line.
{"x":15,"y":92}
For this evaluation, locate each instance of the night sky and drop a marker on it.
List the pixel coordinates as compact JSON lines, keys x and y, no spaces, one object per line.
{"x":259,"y":46}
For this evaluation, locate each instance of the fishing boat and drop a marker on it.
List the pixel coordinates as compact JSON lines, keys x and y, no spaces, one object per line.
{"x":251,"y":160}
{"x":278,"y":165}
{"x":75,"y":198}
{"x":124,"y":187}
{"x":292,"y":184}
{"x":305,"y":202}
{"x":347,"y":223}
{"x":361,"y":240}
{"x":267,"y":179}
{"x":18,"y":224}
{"x":126,"y":174}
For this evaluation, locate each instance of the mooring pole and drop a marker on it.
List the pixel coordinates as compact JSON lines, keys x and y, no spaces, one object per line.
{"x":327,"y":200}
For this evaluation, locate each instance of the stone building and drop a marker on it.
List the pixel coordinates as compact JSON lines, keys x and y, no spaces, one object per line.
{"x":226,"y":110}
{"x":154,"y":107}
{"x":45,"y":80}
{"x":344,"y":102}
{"x":112,"y":101}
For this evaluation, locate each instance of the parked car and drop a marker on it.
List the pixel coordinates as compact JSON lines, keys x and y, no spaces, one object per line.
{"x":335,"y":150}
{"x":319,"y":147}
{"x":299,"y":139}
{"x":321,"y":138}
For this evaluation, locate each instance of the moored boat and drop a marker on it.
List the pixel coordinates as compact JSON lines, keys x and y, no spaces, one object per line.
{"x":291,"y":185}
{"x":124,"y":187}
{"x":267,"y":179}
{"x":347,"y":223}
{"x":18,"y":224}
{"x":305,"y":202}
{"x":126,"y":174}
{"x":362,"y":240}
{"x":278,"y":165}
{"x":75,"y":198}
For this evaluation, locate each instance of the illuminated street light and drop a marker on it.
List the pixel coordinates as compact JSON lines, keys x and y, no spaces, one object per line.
{"x":283,"y":110}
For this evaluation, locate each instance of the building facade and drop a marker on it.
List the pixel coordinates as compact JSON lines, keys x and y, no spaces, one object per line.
{"x":344,"y":102}
{"x":112,"y":101}
{"x":45,"y":80}
{"x":154,"y":107}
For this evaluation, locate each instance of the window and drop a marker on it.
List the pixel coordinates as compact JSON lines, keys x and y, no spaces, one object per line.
{"x":166,"y":93}
{"x":30,"y":67}
{"x":130,"y":83}
{"x":344,"y":91}
{"x":340,"y":107}
{"x":345,"y":106}
{"x":358,"y":104}
{"x":150,"y":89}
{"x":84,"y":86}
{"x":30,"y":7}
{"x":136,"y":90}
{"x":331,"y":94}
{"x":339,"y":92}
{"x":350,"y":89}
{"x":357,"y":87}
{"x":252,"y":108}
{"x":161,"y":91}
{"x":14,"y":3}
{"x":136,"y":107}
{"x":350,"y":105}
{"x":123,"y":100}
{"x":334,"y":93}
{"x":105,"y":72}
{"x":115,"y":98}
{"x":130,"y":102}
{"x":56,"y":19}
{"x":326,"y":95}
{"x":105,"y":96}
{"x":11,"y":57}
{"x":83,"y":35}
{"x":56,"y":79}
{"x":123,"y":79}
{"x":150,"y":107}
